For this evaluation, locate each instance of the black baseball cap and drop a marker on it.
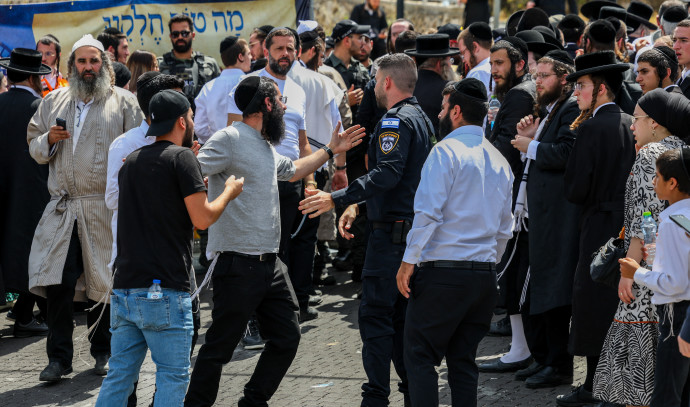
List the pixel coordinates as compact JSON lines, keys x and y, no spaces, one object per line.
{"x":346,"y":27}
{"x":165,"y":108}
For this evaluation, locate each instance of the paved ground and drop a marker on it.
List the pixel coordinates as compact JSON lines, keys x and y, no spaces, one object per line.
{"x":326,"y":372}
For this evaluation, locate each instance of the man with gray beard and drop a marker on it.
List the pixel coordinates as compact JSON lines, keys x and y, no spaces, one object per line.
{"x":71,"y":132}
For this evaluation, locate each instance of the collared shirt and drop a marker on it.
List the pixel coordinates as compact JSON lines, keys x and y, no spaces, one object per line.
{"x":463,"y":202}
{"x":597,"y":109}
{"x":79,"y":119}
{"x":482,"y":72}
{"x":295,"y":114}
{"x":534,"y":144}
{"x":120,"y":148}
{"x":33,"y":92}
{"x":212,"y":104}
{"x":669,"y":278}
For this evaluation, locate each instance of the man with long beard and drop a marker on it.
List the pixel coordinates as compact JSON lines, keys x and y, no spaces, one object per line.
{"x":515,"y":90}
{"x":195,"y":68}
{"x":73,"y":240}
{"x":547,"y":141}
{"x":247,"y":275}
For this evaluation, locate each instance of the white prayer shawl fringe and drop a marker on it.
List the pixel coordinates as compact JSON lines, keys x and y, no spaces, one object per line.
{"x":209,"y":273}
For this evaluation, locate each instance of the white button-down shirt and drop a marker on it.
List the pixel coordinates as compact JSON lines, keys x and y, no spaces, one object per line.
{"x":120,"y":148}
{"x":463,"y":202}
{"x":669,"y":278}
{"x":79,"y":119}
{"x":482,"y":72}
{"x":212,"y":104}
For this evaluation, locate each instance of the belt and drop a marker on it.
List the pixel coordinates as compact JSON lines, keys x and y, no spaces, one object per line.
{"x":259,"y":257}
{"x":453,"y":264}
{"x":387,"y":226}
{"x":62,"y":199}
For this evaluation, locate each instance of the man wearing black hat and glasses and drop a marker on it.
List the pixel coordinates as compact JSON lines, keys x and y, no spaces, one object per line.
{"x":23,"y":187}
{"x":432,"y":55}
{"x":162,"y":197}
{"x":596,"y":182}
{"x":462,"y":222}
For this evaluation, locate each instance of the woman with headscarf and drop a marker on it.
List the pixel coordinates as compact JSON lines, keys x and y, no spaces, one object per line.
{"x":625,"y":373}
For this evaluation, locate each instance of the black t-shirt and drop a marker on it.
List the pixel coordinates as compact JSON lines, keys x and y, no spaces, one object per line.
{"x":154,"y":231}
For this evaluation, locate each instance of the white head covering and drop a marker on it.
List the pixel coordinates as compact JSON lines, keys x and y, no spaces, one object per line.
{"x":88,"y":41}
{"x":306,"y":25}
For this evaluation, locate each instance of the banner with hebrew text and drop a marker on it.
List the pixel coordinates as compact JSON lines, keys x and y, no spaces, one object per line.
{"x":145,"y":22}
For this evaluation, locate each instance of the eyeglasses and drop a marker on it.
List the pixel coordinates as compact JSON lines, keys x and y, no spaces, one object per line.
{"x":542,"y":75}
{"x":283,"y":99}
{"x":635,"y":118}
{"x":48,"y":54}
{"x":579,"y":86}
{"x":184,"y":34}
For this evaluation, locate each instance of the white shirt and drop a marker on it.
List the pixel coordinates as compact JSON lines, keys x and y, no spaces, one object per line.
{"x":482,"y":72}
{"x":212,"y":104}
{"x":534,"y":144}
{"x":79,"y":119}
{"x":669,"y":279}
{"x":33,"y":92}
{"x":463,"y":202}
{"x":120,"y":148}
{"x":295,"y":114}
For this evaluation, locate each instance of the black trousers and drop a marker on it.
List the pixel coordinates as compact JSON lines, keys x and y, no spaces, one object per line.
{"x":448,"y":314}
{"x":672,"y":373}
{"x":547,"y":336}
{"x":60,"y":310}
{"x":382,"y":320}
{"x":23,"y":308}
{"x":241,"y":287}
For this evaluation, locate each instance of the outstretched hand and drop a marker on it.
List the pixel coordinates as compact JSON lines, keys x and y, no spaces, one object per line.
{"x":316,"y":203}
{"x":341,"y":142}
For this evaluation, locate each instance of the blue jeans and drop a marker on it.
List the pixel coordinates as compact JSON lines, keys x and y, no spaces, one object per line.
{"x":163,"y":325}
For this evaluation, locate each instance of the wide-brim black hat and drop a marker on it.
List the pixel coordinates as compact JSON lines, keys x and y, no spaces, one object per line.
{"x":512,"y":23}
{"x":535,"y":42}
{"x":531,"y":18}
{"x":25,"y":60}
{"x":591,"y":8}
{"x":608,"y":13}
{"x":432,"y":46}
{"x":602,"y":62}
{"x":640,"y":13}
{"x":549,"y":36}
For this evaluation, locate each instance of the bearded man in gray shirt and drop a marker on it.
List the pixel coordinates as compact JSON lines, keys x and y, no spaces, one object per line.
{"x":247,"y":275}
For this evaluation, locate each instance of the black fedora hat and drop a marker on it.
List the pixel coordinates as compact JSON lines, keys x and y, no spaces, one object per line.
{"x":535,"y":42}
{"x":591,"y":8}
{"x":25,"y":60}
{"x":614,"y":13}
{"x":601,"y":62}
{"x":512,"y":23}
{"x":640,"y":13}
{"x":431,"y":46}
{"x":548,"y":35}
{"x":531,"y":18}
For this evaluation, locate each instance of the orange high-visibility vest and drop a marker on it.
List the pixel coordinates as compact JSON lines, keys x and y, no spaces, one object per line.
{"x":61,"y":83}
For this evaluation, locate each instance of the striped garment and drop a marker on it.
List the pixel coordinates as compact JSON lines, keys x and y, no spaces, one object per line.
{"x":77,"y":186}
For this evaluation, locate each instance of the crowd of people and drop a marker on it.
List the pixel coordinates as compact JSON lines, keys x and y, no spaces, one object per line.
{"x":441,"y":162}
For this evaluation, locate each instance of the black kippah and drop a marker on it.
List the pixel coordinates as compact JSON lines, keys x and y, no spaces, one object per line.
{"x":227,"y":43}
{"x":266,"y":28}
{"x":146,"y":78}
{"x":668,"y":53}
{"x":480,"y":30}
{"x":615,"y":22}
{"x":560,"y":56}
{"x":602,"y":31}
{"x":572,"y":21}
{"x":519,"y":45}
{"x":246,"y":89}
{"x":308,"y":36}
{"x":472,"y":88}
{"x":675,"y":14}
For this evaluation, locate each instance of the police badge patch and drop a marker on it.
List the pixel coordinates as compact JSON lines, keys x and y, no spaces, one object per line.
{"x":388,"y":141}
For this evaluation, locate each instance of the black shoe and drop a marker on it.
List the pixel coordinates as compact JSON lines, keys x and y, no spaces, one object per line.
{"x":497,"y":366}
{"x":579,"y":397}
{"x":101,"y":366}
{"x":523,"y":374}
{"x":500,"y":327}
{"x":252,"y":338}
{"x":308,"y":314}
{"x":548,"y":377}
{"x":10,"y":315}
{"x":324,"y":280}
{"x":33,"y":328}
{"x":53,"y":372}
{"x":344,"y":262}
{"x":315,"y":300}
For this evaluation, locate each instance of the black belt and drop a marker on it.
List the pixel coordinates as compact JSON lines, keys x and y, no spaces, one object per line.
{"x":259,"y":257}
{"x":453,"y":264}
{"x":387,"y":226}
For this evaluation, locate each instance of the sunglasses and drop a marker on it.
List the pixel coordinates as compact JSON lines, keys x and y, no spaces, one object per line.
{"x":184,"y":34}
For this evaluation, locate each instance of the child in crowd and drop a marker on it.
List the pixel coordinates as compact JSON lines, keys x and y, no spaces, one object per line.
{"x":670,"y":277}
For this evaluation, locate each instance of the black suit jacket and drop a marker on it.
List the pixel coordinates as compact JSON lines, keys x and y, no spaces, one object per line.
{"x":518,"y":103}
{"x":685,"y":87}
{"x":428,"y":92}
{"x":553,"y":221}
{"x":23,"y":188}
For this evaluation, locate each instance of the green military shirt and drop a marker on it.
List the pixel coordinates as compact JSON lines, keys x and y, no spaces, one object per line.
{"x":195,"y":71}
{"x":356,"y":74}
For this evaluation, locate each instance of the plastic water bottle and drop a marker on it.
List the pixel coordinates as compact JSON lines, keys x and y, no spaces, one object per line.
{"x":494,"y":105}
{"x":649,"y":232}
{"x":155,"y":291}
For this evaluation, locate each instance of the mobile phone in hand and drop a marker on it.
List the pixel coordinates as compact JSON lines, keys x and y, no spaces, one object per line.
{"x":681,"y":221}
{"x":61,"y":122}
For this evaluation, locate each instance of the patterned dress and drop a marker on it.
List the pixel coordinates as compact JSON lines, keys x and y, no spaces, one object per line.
{"x":625,"y":373}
